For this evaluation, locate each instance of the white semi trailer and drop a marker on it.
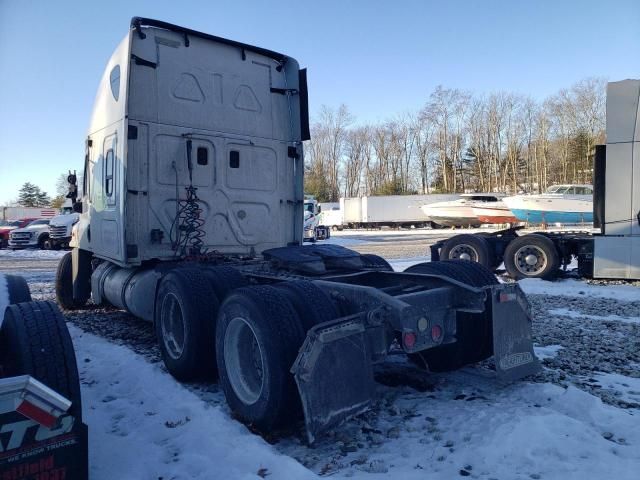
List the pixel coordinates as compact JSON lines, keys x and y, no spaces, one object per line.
{"x":376,"y":211}
{"x":191,"y":218}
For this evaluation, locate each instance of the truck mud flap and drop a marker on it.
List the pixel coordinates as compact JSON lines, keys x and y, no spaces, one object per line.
{"x":334,"y":374}
{"x":512,"y":343}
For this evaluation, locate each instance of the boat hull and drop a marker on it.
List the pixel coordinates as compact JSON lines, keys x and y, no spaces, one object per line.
{"x":451,"y":214}
{"x":498,"y":214}
{"x":551,"y":216}
{"x":551,"y":208}
{"x":455,"y":221}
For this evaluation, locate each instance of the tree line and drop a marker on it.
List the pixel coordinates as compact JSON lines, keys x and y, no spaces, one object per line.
{"x":457,"y":142}
{"x":31,"y":195}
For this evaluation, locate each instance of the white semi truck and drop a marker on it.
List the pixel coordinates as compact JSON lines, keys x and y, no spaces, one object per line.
{"x":192,"y":218}
{"x":314,"y":229}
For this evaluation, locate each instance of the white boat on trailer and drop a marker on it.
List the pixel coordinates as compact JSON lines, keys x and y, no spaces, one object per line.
{"x":463,"y":213}
{"x":569,"y":204}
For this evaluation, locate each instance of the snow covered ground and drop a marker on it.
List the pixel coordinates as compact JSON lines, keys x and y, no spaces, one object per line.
{"x":579,"y":418}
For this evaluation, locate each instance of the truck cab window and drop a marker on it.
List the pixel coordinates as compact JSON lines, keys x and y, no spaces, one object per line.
{"x":114,"y":79}
{"x":108,"y":173}
{"x":203,"y":156}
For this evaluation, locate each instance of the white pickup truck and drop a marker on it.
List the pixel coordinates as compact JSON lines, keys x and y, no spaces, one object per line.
{"x":36,"y":234}
{"x":60,"y":228}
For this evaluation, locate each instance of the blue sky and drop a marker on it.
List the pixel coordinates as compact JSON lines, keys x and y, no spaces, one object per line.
{"x":381,"y":58}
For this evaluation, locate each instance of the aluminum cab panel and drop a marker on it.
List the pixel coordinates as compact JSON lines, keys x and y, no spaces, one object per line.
{"x":612,"y":256}
{"x":622,"y":111}
{"x":240,"y":202}
{"x":635,"y":190}
{"x":220,"y":97}
{"x":209,"y":85}
{"x":618,"y":189}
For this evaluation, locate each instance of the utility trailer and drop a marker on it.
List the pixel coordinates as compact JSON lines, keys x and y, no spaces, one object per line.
{"x":191,"y":219}
{"x":614,"y":251}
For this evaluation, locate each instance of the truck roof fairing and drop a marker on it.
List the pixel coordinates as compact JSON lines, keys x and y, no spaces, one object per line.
{"x":138,"y":22}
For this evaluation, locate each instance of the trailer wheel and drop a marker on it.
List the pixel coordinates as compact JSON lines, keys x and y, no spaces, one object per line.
{"x":34,"y":340}
{"x":186,"y":309}
{"x":370,"y":260}
{"x":17,"y":290}
{"x":531,"y":256}
{"x":474,"y":336}
{"x":311,"y":303}
{"x":468,"y":247}
{"x":64,"y":285}
{"x":224,"y":279}
{"x":258,"y":335}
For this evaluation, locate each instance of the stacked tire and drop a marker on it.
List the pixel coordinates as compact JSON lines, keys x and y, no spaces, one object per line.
{"x":35,"y":341}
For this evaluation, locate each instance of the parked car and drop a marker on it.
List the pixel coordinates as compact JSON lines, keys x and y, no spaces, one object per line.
{"x":7,"y":226}
{"x":36,"y":234}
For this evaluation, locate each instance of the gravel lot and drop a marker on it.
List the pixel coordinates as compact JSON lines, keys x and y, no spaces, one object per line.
{"x":585,"y":342}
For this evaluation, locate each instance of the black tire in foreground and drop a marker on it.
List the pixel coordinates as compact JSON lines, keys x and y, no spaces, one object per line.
{"x":64,"y":285}
{"x":370,"y":260}
{"x":257,"y":340}
{"x":186,"y":308}
{"x":474,"y":336}
{"x":18,"y":289}
{"x":474,"y":248}
{"x":34,"y":340}
{"x":531,"y":256}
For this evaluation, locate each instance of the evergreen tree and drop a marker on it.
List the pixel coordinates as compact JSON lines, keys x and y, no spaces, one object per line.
{"x":43,"y":199}
{"x":30,"y":195}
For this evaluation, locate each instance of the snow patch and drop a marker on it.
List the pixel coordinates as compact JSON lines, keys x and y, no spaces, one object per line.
{"x":548,"y":351}
{"x":143,"y":424}
{"x":577,"y":288}
{"x":32,"y":253}
{"x":624,"y":387}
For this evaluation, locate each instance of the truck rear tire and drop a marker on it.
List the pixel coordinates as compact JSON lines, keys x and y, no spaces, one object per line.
{"x":185,"y":315}
{"x":468,"y":247}
{"x":64,"y":285}
{"x":531,"y":256}
{"x":474,"y":336}
{"x":224,"y":280}
{"x":311,"y":303}
{"x":258,"y":335}
{"x":34,"y":340}
{"x":17,"y":290}
{"x":376,"y":261}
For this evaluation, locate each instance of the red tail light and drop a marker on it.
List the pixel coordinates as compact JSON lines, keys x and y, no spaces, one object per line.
{"x":409,"y":340}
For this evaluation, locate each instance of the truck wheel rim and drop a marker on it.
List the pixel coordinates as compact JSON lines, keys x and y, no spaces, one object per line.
{"x":173,"y":326}
{"x":463,"y":252}
{"x":243,"y":360}
{"x":530,"y":260}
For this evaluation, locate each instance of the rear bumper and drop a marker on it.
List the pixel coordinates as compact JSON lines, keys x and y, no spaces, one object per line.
{"x":361,"y":339}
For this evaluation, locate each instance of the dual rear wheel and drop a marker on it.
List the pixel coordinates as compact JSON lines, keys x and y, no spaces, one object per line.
{"x":209,"y":323}
{"x":526,"y":256}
